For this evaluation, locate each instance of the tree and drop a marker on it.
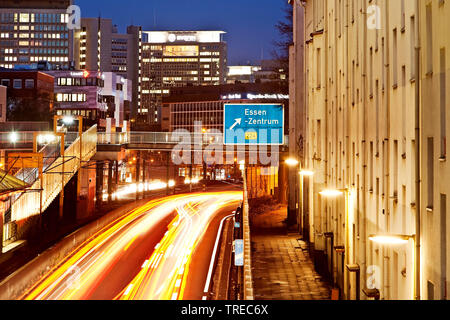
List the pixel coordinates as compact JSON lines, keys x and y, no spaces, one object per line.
{"x":286,"y":32}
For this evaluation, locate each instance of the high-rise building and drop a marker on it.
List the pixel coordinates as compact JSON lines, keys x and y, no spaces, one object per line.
{"x":100,"y":47}
{"x":93,"y":45}
{"x":376,"y":107}
{"x":178,"y":59}
{"x":32,"y":31}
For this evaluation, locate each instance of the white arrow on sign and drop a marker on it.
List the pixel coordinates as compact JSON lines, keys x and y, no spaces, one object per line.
{"x":238,"y":122}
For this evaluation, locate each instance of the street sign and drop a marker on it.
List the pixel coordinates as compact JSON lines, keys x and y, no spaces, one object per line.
{"x":239,"y":253}
{"x":253,"y":124}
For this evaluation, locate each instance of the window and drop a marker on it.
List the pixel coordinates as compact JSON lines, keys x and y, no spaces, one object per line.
{"x":429,"y":36}
{"x":413,"y":49}
{"x":430,"y":173}
{"x":29,"y":84}
{"x":395,"y":182}
{"x":443,"y":242}
{"x":17,"y":84}
{"x":24,"y":18}
{"x":319,"y":71}
{"x":395,"y":60}
{"x":5,"y":82}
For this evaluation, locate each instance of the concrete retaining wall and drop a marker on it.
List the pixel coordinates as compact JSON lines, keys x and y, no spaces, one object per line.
{"x":14,"y":286}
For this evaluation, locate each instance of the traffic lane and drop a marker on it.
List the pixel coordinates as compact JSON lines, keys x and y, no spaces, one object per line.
{"x":114,"y":279}
{"x":163,"y":275}
{"x":202,"y":255}
{"x":75,"y":277}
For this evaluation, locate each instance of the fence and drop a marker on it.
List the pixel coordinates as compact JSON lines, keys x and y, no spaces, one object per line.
{"x":54,"y":178}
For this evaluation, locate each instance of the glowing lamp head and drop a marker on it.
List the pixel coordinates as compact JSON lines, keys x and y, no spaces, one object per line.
{"x":306,"y":173}
{"x":331,"y":193}
{"x":13,"y":137}
{"x":68,"y":120}
{"x":390,"y":239}
{"x":291,"y":162}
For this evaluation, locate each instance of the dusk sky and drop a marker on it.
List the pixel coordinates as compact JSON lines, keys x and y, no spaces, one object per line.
{"x":249,"y":23}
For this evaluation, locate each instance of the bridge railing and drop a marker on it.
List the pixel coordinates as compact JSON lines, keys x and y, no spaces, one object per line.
{"x":122,"y":138}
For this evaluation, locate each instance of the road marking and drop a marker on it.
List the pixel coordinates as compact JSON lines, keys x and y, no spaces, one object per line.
{"x":213,"y":256}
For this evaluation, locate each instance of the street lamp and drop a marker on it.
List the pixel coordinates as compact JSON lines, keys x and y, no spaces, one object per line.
{"x":293,"y":200}
{"x":387,"y":239}
{"x":329,"y":193}
{"x":13,"y":137}
{"x":400,"y":239}
{"x":333,"y":193}
{"x":68,"y":120}
{"x":306,"y":173}
{"x":291,"y":162}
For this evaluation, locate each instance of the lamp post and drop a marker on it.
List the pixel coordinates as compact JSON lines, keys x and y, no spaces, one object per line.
{"x":344,"y":250}
{"x":69,"y":120}
{"x":309,"y":174}
{"x":293,"y":198}
{"x":400,"y":239}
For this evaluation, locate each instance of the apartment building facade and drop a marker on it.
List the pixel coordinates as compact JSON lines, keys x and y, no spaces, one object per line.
{"x":376,"y":126}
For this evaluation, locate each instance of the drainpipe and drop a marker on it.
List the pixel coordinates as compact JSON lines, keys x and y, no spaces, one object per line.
{"x":364,"y":157}
{"x":418,"y":154}
{"x":387,"y":155}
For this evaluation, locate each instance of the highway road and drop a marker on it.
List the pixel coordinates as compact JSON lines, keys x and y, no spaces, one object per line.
{"x":160,"y":251}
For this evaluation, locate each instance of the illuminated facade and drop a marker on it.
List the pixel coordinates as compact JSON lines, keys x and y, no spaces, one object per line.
{"x":99,"y":47}
{"x":178,"y":59}
{"x":35,"y":31}
{"x":377,"y":126}
{"x":94,"y":95}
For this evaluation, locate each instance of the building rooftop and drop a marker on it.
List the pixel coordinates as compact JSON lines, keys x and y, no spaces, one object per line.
{"x":35,"y":4}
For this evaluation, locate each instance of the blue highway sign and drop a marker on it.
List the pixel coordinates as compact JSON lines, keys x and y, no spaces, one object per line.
{"x":253,"y":124}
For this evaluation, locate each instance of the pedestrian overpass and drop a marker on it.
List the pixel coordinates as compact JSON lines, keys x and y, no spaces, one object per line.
{"x":57,"y":168}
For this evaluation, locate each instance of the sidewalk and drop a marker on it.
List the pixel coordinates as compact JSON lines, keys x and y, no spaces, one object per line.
{"x":281,"y":266}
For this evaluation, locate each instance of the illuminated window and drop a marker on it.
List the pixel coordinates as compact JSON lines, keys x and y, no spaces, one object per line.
{"x":180,"y":51}
{"x":24,"y":18}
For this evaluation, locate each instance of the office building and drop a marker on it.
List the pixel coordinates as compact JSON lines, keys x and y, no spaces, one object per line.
{"x":174,"y":59}
{"x":32,"y":31}
{"x":100,"y":47}
{"x":242,"y":74}
{"x":376,"y":125}
{"x":94,"y":95}
{"x":3,"y":100}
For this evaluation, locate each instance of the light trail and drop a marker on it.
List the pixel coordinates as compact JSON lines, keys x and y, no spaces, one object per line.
{"x":161,"y":275}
